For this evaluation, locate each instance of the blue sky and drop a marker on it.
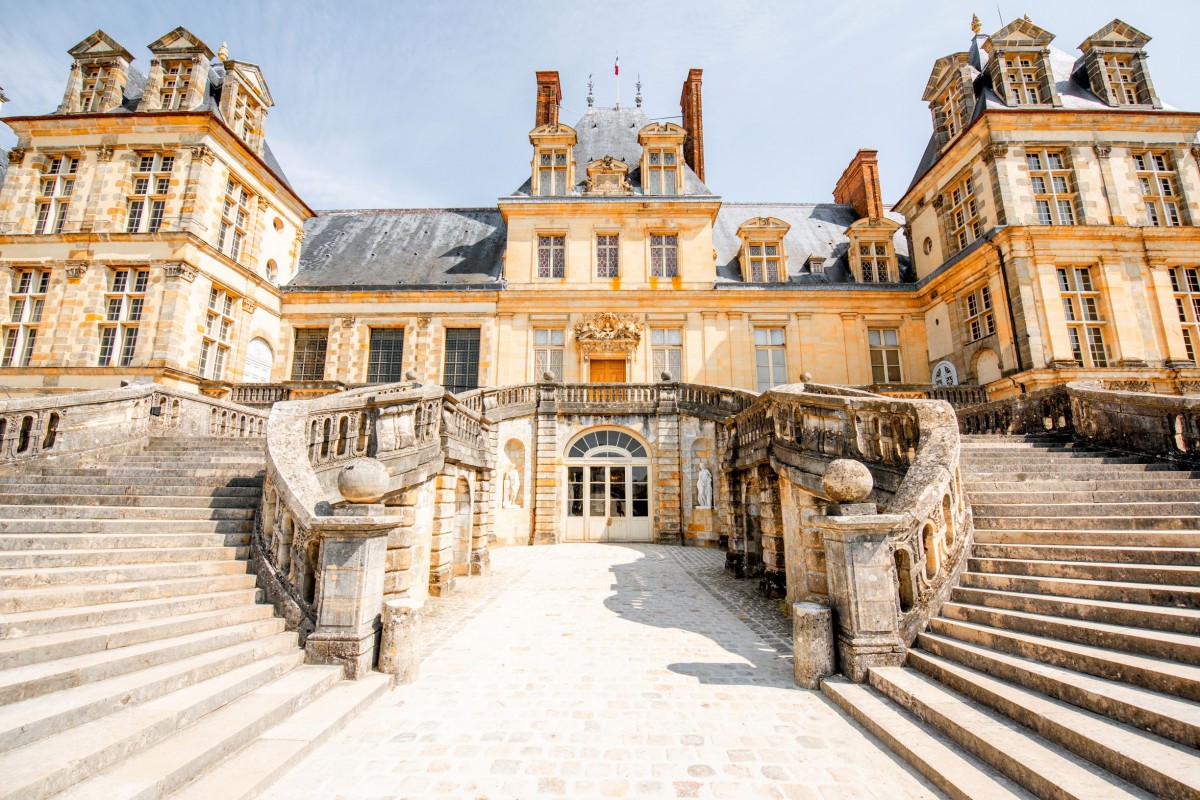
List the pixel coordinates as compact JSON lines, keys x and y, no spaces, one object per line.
{"x":419,"y":104}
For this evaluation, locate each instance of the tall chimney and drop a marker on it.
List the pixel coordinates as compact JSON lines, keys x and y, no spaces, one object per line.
{"x":859,"y":185}
{"x":549,"y":95}
{"x":693,"y":122}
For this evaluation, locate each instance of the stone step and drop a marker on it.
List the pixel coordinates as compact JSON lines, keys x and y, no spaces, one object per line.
{"x":36,"y":649}
{"x":1044,"y":768}
{"x":169,"y":442}
{"x":1139,"y":593}
{"x":34,"y":680}
{"x":249,"y":463}
{"x":112,"y":541}
{"x":130,"y":500}
{"x":109,"y":484}
{"x":122,"y":754}
{"x":84,"y":595}
{"x":54,"y":620}
{"x":1166,"y":556}
{"x":161,"y":512}
{"x":28,"y":721}
{"x":1127,"y":509}
{"x":1082,"y":470}
{"x":1134,"y":615}
{"x":958,"y":774}
{"x":1021,"y":496}
{"x":1161,"y":714}
{"x":1171,"y":677}
{"x":145,"y":474}
{"x":1156,"y":644}
{"x":1149,"y":484}
{"x":33,"y":559}
{"x":54,"y":576}
{"x":256,"y":766}
{"x":57,"y":526}
{"x":1095,"y":536}
{"x":1085,"y":523}
{"x":1164,"y":768}
{"x":1043,"y":458}
{"x":1090,"y":570}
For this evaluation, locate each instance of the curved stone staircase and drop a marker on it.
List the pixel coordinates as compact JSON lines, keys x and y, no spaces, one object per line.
{"x":135,"y":653}
{"x":1067,"y":662}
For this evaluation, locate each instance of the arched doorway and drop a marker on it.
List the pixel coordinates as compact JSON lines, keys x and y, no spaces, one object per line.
{"x":608,"y":488}
{"x":259,"y":360}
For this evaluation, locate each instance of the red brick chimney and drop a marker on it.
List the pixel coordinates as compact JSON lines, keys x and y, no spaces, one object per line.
{"x":859,"y":185}
{"x":549,"y":95}
{"x":693,"y":122}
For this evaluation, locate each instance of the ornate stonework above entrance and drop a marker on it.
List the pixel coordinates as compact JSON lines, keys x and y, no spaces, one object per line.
{"x":608,"y":332}
{"x":608,"y":175}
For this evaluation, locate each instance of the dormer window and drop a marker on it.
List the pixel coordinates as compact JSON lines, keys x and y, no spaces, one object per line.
{"x":662,"y":158}
{"x":176,"y":76}
{"x":1121,"y":83}
{"x":949,"y":112}
{"x":663,"y":165}
{"x":764,"y":262}
{"x":95,"y":78}
{"x":875,"y":262}
{"x":553,"y":160}
{"x":552,"y":172}
{"x":1114,"y":58}
{"x":763,"y":259}
{"x":1022,"y":83}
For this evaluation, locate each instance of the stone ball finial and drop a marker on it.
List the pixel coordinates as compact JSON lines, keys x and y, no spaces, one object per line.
{"x":665,"y":377}
{"x":805,"y":377}
{"x":548,"y":376}
{"x":847,"y":481}
{"x":363,"y":480}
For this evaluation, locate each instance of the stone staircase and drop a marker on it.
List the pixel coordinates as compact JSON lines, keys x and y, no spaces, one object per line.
{"x":136,"y":657}
{"x":1067,"y":662}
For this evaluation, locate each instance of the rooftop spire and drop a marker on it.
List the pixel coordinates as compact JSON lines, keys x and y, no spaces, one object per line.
{"x":638,"y":98}
{"x":591,"y":97}
{"x":223,"y":52}
{"x":976,"y":25}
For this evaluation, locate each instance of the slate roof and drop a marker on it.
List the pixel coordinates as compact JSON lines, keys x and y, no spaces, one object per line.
{"x":614,"y":132}
{"x":438,"y":248}
{"x":816,"y":229}
{"x":3,"y":165}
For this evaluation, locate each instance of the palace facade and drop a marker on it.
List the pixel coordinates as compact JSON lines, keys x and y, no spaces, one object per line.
{"x":1050,"y":234}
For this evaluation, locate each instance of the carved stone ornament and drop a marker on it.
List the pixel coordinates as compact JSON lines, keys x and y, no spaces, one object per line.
{"x":249,"y":305}
{"x":203,"y":153}
{"x":104,"y":153}
{"x":76,"y":271}
{"x":179,"y":269}
{"x":423,"y":321}
{"x":607,"y":176}
{"x":347,"y":321}
{"x":16,"y":156}
{"x":994,"y":151}
{"x":938,"y":202}
{"x":1196,"y":152}
{"x":1102,"y":150}
{"x":608,"y":332}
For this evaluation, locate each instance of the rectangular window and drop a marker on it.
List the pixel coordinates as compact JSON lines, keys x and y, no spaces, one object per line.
{"x":26,"y":303}
{"x":218,"y":331}
{"x":875,"y":262}
{"x":765,"y":262}
{"x":55,"y":189}
{"x":176,"y":75}
{"x":552,"y":173}
{"x":1158,"y":183}
{"x":664,"y":256}
{"x":94,"y":82}
{"x":962,"y":215}
{"x":146,"y":201}
{"x":308,"y":354}
{"x":1085,"y":323}
{"x":607,"y":265}
{"x":385,"y":362}
{"x":552,"y":256}
{"x":235,"y":219}
{"x":1022,"y":87}
{"x":1053,"y":185}
{"x":980,"y":319}
{"x":123,"y":305}
{"x":461,"y":370}
{"x":885,"y":355}
{"x":663,"y":166}
{"x":1185,"y":282}
{"x":666,"y":348}
{"x":948,"y":112}
{"x":547,"y":353}
{"x":770,"y":358}
{"x":1121,"y":82}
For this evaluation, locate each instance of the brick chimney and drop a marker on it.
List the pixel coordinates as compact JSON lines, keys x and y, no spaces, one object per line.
{"x":693,"y":122}
{"x":859,"y":185}
{"x":549,"y":95}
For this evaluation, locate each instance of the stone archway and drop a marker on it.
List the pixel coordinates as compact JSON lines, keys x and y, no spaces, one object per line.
{"x":608,"y":484}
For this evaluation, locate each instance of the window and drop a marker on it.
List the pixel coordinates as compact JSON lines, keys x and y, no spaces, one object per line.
{"x":663,"y":167}
{"x":241,"y":110}
{"x":1053,"y":192}
{"x":948,"y":112}
{"x":875,"y":261}
{"x":123,"y":305}
{"x":95,"y":79}
{"x":1085,"y":325}
{"x":552,"y":172}
{"x":1157,"y":181}
{"x":308,"y":355}
{"x":148,"y":193}
{"x":552,"y":256}
{"x":54,"y":200}
{"x":980,"y":320}
{"x":770,"y":358}
{"x":765,"y":262}
{"x":885,"y":355}
{"x":218,"y":325}
{"x":1121,"y":82}
{"x":666,"y":350}
{"x":664,"y":255}
{"x":1022,"y":79}
{"x":1185,"y":282}
{"x":606,"y":256}
{"x":25,"y":305}
{"x":385,"y":362}
{"x":461,"y":370}
{"x":547,"y":353}
{"x":235,"y":216}
{"x":176,"y":75}
{"x":963,"y":225}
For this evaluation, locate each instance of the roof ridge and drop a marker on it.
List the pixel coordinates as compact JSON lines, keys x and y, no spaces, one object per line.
{"x":381,"y":211}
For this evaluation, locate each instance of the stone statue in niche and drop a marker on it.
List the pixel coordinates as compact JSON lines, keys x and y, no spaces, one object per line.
{"x":704,"y":488}
{"x":512,"y":487}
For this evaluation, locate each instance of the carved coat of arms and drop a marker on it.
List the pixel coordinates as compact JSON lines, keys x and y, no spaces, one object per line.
{"x":607,"y":331}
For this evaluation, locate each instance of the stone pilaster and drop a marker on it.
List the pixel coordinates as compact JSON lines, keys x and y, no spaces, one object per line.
{"x":71,"y":100}
{"x":197,"y":87}
{"x":1112,"y":191}
{"x":668,"y":468}
{"x":152,"y":93}
{"x":546,"y":491}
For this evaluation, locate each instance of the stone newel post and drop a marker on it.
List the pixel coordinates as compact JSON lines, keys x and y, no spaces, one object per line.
{"x":860,"y":570}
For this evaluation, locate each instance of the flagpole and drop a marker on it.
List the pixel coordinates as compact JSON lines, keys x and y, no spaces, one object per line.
{"x":617,"y":70}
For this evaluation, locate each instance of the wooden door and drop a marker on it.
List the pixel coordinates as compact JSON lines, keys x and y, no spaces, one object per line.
{"x":608,"y":370}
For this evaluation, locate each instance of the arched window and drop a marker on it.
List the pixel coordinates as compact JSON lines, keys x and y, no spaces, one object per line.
{"x":606,"y":444}
{"x":259,"y":360}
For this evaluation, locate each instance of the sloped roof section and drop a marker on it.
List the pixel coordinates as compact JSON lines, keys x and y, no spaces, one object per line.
{"x":441,"y":248}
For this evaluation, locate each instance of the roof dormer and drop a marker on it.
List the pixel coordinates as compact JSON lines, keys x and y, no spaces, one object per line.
{"x":98,"y":76}
{"x":763,"y":257}
{"x":662,"y":158}
{"x":244,"y":102}
{"x":872,"y":251}
{"x":553,"y":159}
{"x":1018,"y":65}
{"x":951,"y":96}
{"x":608,"y":176}
{"x":178,"y":79}
{"x":1115,"y":64}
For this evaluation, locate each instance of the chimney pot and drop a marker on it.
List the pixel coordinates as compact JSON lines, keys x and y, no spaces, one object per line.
{"x":693,"y":122}
{"x":549,"y":95}
{"x":859,"y":185}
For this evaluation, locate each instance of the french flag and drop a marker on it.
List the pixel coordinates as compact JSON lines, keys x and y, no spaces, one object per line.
{"x":617,"y":66}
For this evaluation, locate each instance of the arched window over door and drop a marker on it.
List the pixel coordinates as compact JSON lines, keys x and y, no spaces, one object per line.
{"x":608,"y":485}
{"x":259,"y":360}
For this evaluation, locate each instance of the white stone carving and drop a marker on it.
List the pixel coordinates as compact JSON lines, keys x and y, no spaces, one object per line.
{"x":704,"y":488}
{"x":512,"y":488}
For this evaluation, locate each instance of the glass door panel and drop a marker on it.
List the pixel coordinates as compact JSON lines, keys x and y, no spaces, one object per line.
{"x":617,"y":492}
{"x":640,"y":491}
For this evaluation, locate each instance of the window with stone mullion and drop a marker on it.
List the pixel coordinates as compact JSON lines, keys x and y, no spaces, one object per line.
{"x":1185,"y":283}
{"x":1085,"y":322}
{"x":664,"y":256}
{"x":235,"y":218}
{"x":980,"y":319}
{"x":552,"y":256}
{"x":962,"y":214}
{"x":1053,"y":185}
{"x":176,"y":75}
{"x":26,"y":303}
{"x":95,"y":81}
{"x":385,"y":361}
{"x":552,"y":172}
{"x":663,"y":164}
{"x":218,"y":330}
{"x":56,"y":187}
{"x":607,"y":264}
{"x":123,"y":306}
{"x":764,"y":262}
{"x":149,"y":186}
{"x":1157,"y":181}
{"x":308,"y":354}
{"x":667,"y":353}
{"x":548,"y":353}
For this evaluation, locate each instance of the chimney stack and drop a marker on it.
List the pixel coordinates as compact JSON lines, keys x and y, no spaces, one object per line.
{"x":549,"y":95}
{"x":859,"y":185}
{"x":693,"y":123}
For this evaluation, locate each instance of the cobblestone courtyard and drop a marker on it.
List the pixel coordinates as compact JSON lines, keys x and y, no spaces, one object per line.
{"x":603,"y":671}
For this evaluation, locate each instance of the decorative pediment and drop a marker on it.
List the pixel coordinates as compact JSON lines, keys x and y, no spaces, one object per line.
{"x":874,"y":228}
{"x":99,"y":45}
{"x":661,"y":132}
{"x":1116,"y":34}
{"x":607,"y":175}
{"x":763,"y":225}
{"x":250,"y":77}
{"x":608,"y":332}
{"x":553,"y":133}
{"x":1016,"y":35}
{"x":943,"y":68}
{"x":180,"y":42}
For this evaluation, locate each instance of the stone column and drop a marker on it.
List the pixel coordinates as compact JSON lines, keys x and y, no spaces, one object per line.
{"x":546,"y":490}
{"x":668,"y":479}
